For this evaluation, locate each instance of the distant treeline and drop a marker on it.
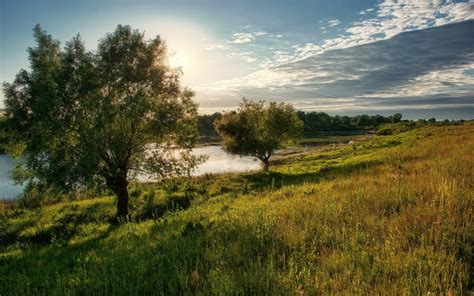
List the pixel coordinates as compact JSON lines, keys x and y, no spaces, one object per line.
{"x":320,"y":121}
{"x":314,"y":122}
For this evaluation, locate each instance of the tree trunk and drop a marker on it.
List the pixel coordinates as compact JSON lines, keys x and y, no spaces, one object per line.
{"x":122,"y":202}
{"x":266,"y":164}
{"x":119,"y":186}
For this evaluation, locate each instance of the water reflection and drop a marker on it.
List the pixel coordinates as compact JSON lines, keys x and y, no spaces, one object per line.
{"x":221,"y":162}
{"x":218,"y":161}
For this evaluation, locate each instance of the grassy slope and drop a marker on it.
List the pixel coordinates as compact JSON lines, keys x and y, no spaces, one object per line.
{"x":391,"y":216}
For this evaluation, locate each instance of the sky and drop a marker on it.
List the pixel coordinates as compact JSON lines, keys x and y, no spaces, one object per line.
{"x":341,"y":57}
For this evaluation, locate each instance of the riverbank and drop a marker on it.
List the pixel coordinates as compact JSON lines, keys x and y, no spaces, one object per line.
{"x":218,"y":161}
{"x":390,"y":215}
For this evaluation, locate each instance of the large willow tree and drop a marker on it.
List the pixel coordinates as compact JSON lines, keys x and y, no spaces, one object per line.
{"x":83,"y":117}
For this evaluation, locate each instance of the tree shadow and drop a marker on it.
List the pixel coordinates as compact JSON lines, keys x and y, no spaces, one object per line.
{"x":61,"y":230}
{"x":276,"y":180}
{"x":181,"y":253}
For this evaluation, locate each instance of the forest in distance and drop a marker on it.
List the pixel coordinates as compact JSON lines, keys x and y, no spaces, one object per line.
{"x":316,"y":122}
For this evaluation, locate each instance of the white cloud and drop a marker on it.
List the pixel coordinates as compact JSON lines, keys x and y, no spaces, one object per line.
{"x":245,"y":56}
{"x":239,"y":38}
{"x":282,"y":56}
{"x":246,"y":37}
{"x":334,"y":23}
{"x":366,"y":11}
{"x":393,"y":17}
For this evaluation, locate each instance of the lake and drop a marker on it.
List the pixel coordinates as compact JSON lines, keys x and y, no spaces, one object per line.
{"x":8,"y":189}
{"x":221,"y":162}
{"x":218,"y":162}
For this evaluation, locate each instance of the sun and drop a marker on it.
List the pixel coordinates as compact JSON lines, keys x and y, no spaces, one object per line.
{"x":177,"y":60}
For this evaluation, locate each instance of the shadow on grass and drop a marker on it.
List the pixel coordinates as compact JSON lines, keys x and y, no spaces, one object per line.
{"x":166,"y":266}
{"x":275,"y":180}
{"x":62,"y":230}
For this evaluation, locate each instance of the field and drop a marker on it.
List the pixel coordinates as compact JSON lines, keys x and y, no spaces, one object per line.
{"x":388,"y":215}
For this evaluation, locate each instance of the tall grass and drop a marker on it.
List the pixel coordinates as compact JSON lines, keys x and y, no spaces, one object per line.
{"x":393,"y":215}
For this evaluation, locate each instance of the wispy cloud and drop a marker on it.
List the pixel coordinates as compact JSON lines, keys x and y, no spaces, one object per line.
{"x":216,"y":46}
{"x":334,"y":23}
{"x":245,"y":56}
{"x":394,"y":17}
{"x":239,"y":38}
{"x":246,"y":37}
{"x":375,"y":62}
{"x":366,"y":11}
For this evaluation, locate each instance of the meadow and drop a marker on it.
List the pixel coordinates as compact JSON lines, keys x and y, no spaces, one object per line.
{"x":390,"y":215}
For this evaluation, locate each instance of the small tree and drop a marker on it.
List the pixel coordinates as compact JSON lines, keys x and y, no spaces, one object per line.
{"x":396,"y":118}
{"x":257,"y":129}
{"x":82,"y":118}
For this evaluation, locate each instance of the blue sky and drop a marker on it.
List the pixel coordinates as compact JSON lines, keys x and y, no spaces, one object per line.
{"x":346,"y":57}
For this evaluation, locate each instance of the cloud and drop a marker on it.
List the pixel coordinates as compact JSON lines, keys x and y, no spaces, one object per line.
{"x":282,"y":56}
{"x":366,"y":11}
{"x":245,"y":56}
{"x":216,"y":46}
{"x":246,"y":37}
{"x":406,"y":52}
{"x":334,"y":23}
{"x":239,"y":38}
{"x":392,"y":17}
{"x":415,"y":69}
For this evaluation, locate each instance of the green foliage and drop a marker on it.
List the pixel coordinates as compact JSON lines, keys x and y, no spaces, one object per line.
{"x":3,"y":135}
{"x":392,"y":129}
{"x":392,"y":216}
{"x":206,"y":125}
{"x":258,"y":130}
{"x":320,"y":121}
{"x":82,"y":118}
{"x":313,"y":123}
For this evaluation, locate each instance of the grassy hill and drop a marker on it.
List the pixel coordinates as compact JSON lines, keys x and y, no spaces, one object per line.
{"x":391,"y":215}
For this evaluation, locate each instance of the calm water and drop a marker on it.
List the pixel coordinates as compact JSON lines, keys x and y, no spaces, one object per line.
{"x":222,"y":162}
{"x":8,"y":189}
{"x":218,"y":162}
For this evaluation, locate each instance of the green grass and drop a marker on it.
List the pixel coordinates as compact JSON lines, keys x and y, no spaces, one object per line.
{"x":391,"y":215}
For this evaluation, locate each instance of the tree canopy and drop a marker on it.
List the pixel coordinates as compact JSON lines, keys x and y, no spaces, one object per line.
{"x":83,"y":117}
{"x":258,"y":129}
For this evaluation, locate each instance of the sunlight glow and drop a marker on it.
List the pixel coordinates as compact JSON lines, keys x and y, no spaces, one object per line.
{"x":178,"y":60}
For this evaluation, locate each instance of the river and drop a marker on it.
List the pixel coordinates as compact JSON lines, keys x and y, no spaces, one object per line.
{"x":8,"y":189}
{"x":218,"y":162}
